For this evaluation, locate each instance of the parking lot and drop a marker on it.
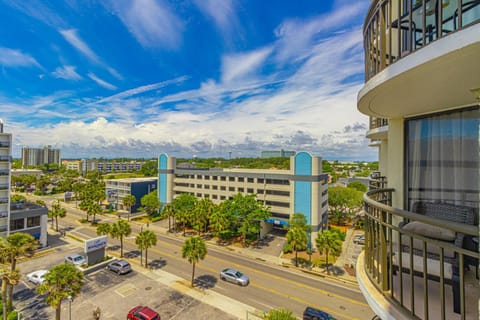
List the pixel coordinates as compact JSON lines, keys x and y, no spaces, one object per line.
{"x":114,"y":294}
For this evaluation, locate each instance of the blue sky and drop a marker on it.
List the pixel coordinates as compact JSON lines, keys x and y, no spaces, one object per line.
{"x":201,"y":78}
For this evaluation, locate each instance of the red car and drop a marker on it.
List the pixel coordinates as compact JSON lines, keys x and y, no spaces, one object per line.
{"x":142,"y":313}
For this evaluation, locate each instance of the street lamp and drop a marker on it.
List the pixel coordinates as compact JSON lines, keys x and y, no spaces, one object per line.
{"x":70,"y":299}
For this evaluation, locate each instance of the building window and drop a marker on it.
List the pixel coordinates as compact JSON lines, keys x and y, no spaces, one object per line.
{"x":214,"y":196}
{"x":442,"y":154}
{"x":33,"y":222}
{"x":215,"y":178}
{"x":207,"y":177}
{"x":199,"y":186}
{"x":231,"y":188}
{"x":278,"y":204}
{"x":324,"y":204}
{"x":17,"y":224}
{"x":206,"y":186}
{"x":241,"y":179}
{"x":231,"y":178}
{"x":215,"y":187}
{"x":223,"y":178}
{"x":250,"y":191}
{"x":260,"y":180}
{"x":223,"y":188}
{"x":222,"y":198}
{"x":241,"y":190}
{"x":250,"y":180}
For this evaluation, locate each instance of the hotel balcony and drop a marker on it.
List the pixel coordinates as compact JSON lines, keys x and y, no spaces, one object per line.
{"x":378,"y":129}
{"x":417,"y":52}
{"x":439,"y":280}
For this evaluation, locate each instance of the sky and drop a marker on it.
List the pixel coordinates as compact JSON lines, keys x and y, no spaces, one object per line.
{"x":192,"y":78}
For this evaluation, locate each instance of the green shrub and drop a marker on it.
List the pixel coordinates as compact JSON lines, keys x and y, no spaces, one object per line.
{"x":226,"y":235}
{"x":287,"y":248}
{"x":13,"y":315}
{"x":340,"y":233}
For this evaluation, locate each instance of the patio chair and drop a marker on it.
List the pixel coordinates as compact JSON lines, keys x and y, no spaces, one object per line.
{"x":444,"y":239}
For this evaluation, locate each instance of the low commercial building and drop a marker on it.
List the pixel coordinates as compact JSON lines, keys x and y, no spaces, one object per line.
{"x":29,"y":218}
{"x":117,"y":189}
{"x":301,"y":189}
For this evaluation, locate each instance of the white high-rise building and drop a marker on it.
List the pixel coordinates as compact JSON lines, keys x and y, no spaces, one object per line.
{"x":5,"y":166}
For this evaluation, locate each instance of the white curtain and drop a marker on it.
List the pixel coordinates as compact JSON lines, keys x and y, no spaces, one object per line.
{"x":443,"y":158}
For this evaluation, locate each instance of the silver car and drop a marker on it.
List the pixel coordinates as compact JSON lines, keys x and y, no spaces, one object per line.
{"x":75,"y":259}
{"x":235,"y":276}
{"x":119,"y":266}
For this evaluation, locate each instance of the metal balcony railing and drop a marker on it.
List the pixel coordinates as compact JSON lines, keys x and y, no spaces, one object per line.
{"x":3,"y":186}
{"x":377,"y":123}
{"x":4,"y":172}
{"x":4,"y":144}
{"x":377,"y":181}
{"x":3,"y":200}
{"x":5,"y":158}
{"x":416,"y":284}
{"x":395,"y":28}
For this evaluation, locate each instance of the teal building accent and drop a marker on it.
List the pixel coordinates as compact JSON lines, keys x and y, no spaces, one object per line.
{"x":162,"y":178}
{"x":303,"y":189}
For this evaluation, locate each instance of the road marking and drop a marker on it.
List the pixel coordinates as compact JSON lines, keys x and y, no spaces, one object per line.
{"x":324,"y":292}
{"x":126,"y":290}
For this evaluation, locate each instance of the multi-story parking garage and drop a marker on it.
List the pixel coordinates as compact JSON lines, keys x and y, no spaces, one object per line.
{"x":302,"y":189}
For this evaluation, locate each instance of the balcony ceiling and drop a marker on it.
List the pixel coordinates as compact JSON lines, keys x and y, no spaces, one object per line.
{"x":437,"y":77}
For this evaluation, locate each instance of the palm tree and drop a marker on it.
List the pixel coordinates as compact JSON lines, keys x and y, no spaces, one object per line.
{"x":219,"y":221}
{"x":13,"y":247}
{"x":61,"y":282}
{"x":169,"y":211}
{"x":145,"y":239}
{"x":330,"y":242}
{"x":120,"y":230}
{"x":194,"y":249}
{"x":202,"y":212}
{"x":297,"y":238}
{"x":57,"y":211}
{"x":104,"y":229}
{"x":128,"y":201}
{"x":8,"y":279}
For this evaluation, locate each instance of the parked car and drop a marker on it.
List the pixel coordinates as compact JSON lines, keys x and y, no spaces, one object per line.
{"x":75,"y":259}
{"x":119,"y":266}
{"x":234,"y":276}
{"x":142,"y":313}
{"x":37,"y":277}
{"x":316,"y":314}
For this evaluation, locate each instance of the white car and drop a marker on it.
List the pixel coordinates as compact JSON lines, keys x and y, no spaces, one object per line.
{"x":37,"y":277}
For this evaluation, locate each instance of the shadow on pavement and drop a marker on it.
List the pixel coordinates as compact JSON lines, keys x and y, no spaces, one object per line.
{"x":205,"y":282}
{"x":157,"y":264}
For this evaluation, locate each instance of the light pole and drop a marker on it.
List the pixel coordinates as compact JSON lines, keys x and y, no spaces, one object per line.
{"x":70,"y":299}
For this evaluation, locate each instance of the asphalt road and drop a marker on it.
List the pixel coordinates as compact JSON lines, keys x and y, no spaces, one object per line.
{"x":270,"y":286}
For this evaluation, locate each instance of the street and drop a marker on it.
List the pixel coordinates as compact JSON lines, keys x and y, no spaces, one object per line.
{"x":271,"y":286}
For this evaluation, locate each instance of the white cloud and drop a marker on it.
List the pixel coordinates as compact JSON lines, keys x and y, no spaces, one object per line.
{"x":67,"y":73}
{"x":150,"y":22}
{"x":224,"y":15}
{"x":236,"y":66}
{"x":71,"y":37}
{"x":16,"y":58}
{"x":101,"y":82}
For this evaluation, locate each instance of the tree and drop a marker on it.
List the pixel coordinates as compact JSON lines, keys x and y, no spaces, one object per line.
{"x":150,"y":203}
{"x":169,"y":211}
{"x":194,"y":249}
{"x":104,"y":229}
{"x":61,"y":282}
{"x":57,"y":211}
{"x":149,"y":168}
{"x":8,"y":279}
{"x":13,"y":247}
{"x":297,"y":238}
{"x":144,"y":240}
{"x":128,"y":201}
{"x":219,"y":220}
{"x":247,"y":214}
{"x":299,"y":220}
{"x":184,"y":205}
{"x":329,"y":242}
{"x":119,"y":230}
{"x":343,"y":202}
{"x":202,"y":212}
{"x":280,"y":314}
{"x":357,"y":185}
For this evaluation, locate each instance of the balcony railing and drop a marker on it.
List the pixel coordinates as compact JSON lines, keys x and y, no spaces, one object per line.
{"x":377,"y":181}
{"x":416,"y":284}
{"x":377,"y":123}
{"x":395,"y":28}
{"x":4,"y":144}
{"x":5,"y":158}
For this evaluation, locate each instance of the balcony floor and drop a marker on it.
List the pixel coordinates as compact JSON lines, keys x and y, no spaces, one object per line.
{"x":379,"y":304}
